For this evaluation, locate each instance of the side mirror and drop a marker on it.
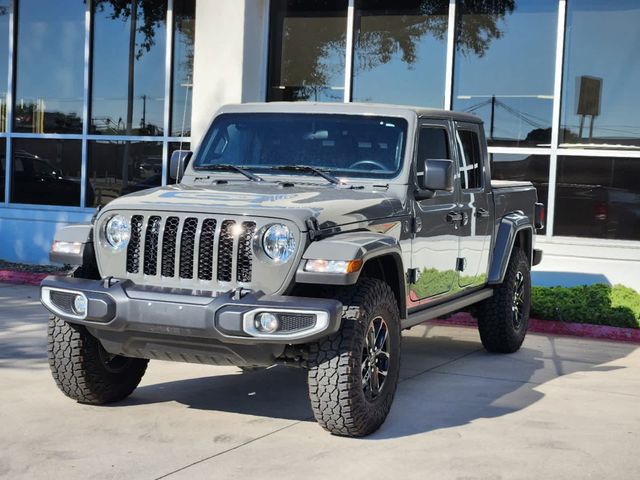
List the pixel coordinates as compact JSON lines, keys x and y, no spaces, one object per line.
{"x":178,"y":164}
{"x":436,"y":175}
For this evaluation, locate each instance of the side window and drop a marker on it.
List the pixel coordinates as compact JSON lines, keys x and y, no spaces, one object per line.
{"x":433,"y":143}
{"x":470,"y":160}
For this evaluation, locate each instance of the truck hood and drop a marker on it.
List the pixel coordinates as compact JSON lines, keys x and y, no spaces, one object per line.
{"x":330,"y":205}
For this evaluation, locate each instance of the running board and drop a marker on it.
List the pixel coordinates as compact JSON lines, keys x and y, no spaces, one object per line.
{"x":447,"y":307}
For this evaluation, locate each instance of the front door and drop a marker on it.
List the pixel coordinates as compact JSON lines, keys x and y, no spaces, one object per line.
{"x":435,"y":241}
{"x":475,"y":198}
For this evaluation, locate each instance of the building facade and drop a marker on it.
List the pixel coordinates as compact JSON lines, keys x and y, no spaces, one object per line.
{"x":99,"y":92}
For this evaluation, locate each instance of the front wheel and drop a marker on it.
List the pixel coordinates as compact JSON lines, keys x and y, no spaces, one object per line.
{"x":503,"y":319}
{"x":85,"y":371}
{"x":353,"y":374}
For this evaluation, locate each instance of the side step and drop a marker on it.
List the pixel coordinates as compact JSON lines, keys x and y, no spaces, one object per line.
{"x":447,"y":307}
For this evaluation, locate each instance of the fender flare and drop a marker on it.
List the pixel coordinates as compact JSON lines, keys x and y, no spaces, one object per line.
{"x":510,"y":226}
{"x":81,"y":234}
{"x":365,"y":246}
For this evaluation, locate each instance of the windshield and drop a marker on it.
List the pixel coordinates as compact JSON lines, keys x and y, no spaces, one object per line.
{"x":343,"y":145}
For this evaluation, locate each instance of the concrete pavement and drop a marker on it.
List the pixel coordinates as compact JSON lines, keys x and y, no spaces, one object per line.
{"x":559,"y":408}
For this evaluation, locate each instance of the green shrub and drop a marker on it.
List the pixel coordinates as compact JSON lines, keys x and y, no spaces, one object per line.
{"x":599,"y":304}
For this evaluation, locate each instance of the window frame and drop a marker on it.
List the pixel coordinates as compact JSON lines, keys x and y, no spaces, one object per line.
{"x":461,"y":158}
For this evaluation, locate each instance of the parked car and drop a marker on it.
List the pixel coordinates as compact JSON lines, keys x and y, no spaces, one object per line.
{"x":302,"y":234}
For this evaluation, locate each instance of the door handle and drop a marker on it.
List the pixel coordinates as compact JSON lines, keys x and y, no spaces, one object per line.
{"x":454,"y":217}
{"x":481,"y":212}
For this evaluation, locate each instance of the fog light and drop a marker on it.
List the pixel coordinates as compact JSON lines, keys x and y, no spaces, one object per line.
{"x":80,"y":305}
{"x":266,"y":322}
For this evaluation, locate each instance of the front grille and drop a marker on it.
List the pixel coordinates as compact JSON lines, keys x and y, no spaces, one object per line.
{"x":291,"y":322}
{"x":188,"y":248}
{"x":62,"y":300}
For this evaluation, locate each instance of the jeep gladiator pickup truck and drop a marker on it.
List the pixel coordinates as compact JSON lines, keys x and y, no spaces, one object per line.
{"x":302,"y":234}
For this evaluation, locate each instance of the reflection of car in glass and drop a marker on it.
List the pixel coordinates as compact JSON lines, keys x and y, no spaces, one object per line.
{"x":583,"y":209}
{"x":307,"y":235}
{"x":150,"y":166}
{"x":35,"y":177}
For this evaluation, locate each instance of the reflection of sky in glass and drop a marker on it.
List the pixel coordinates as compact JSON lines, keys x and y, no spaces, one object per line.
{"x":518,"y":69}
{"x":110,"y":75}
{"x":394,"y":80}
{"x":50,"y":60}
{"x":602,"y":40}
{"x":184,"y":30}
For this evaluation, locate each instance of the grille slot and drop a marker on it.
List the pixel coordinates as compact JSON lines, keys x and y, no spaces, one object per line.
{"x":225,"y":251}
{"x":63,"y":300}
{"x":169,"y":246}
{"x":193,"y":248}
{"x":207,"y":237}
{"x":292,"y":322}
{"x":187,"y":246}
{"x":244,"y":258}
{"x":133,"y":249}
{"x":151,"y":246}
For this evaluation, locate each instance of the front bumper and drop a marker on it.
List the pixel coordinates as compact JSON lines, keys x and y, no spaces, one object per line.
{"x":133,"y":318}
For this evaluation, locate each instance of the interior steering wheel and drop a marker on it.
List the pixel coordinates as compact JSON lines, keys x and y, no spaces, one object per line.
{"x":368,"y":162}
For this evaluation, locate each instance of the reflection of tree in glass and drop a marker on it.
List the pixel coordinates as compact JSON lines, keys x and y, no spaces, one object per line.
{"x":477,"y":24}
{"x":153,"y":13}
{"x":477,"y":27}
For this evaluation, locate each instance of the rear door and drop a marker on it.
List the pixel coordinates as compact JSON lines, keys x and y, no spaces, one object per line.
{"x":474,"y":206}
{"x":435,"y":241}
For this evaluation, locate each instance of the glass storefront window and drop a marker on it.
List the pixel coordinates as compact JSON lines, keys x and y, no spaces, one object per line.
{"x":531,"y":168}
{"x":307,"y":50}
{"x":128,"y":67}
{"x":3,"y":167}
{"x":4,"y":62}
{"x":504,"y":68}
{"x":116,"y":168}
{"x":598,"y":197}
{"x":184,"y":30}
{"x":601,"y":75}
{"x":46,"y":172}
{"x":400,"y":52}
{"x":49,"y":66}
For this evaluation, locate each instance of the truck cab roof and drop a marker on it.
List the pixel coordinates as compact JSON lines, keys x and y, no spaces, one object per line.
{"x":350,"y":109}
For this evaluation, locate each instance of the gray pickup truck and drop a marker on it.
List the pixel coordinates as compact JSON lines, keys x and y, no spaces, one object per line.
{"x":302,"y":234}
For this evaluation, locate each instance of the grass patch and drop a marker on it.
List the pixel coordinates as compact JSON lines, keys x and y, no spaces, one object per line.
{"x":598,"y":304}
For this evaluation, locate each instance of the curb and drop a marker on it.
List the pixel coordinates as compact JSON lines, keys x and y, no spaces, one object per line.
{"x":554,"y":327}
{"x":22,"y":278}
{"x":549,"y":327}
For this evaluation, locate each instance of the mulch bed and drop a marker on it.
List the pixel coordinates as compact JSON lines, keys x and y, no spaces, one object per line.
{"x":26,"y":274}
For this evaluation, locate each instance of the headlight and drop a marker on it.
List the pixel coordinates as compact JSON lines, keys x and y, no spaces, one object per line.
{"x":278,"y":243}
{"x":118,"y":232}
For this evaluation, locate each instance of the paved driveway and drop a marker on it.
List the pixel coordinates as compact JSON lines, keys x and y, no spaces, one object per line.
{"x":559,"y":408}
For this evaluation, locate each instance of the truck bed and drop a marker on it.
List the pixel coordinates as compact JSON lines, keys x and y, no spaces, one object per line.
{"x":510,"y":196}
{"x":496,"y":184}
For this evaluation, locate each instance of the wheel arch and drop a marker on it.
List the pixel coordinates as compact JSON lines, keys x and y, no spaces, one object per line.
{"x":381,"y":257}
{"x":515,"y":230}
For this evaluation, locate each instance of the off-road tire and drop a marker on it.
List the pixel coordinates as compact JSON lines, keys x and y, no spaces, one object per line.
{"x":335,"y":364}
{"x":79,"y":366}
{"x":499,"y":332}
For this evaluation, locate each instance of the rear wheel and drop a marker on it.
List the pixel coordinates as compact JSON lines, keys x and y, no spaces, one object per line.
{"x":84,"y":370}
{"x":354,"y":373}
{"x":503,"y":319}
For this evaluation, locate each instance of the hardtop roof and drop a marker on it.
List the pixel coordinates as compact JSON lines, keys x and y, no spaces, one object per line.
{"x":349,"y":109}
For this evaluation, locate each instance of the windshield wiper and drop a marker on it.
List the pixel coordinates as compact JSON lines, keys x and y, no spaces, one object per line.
{"x":308,"y":169}
{"x":227,"y":167}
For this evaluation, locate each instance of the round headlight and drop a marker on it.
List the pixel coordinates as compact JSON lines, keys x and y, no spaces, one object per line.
{"x":278,"y":243}
{"x":118,"y":232}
